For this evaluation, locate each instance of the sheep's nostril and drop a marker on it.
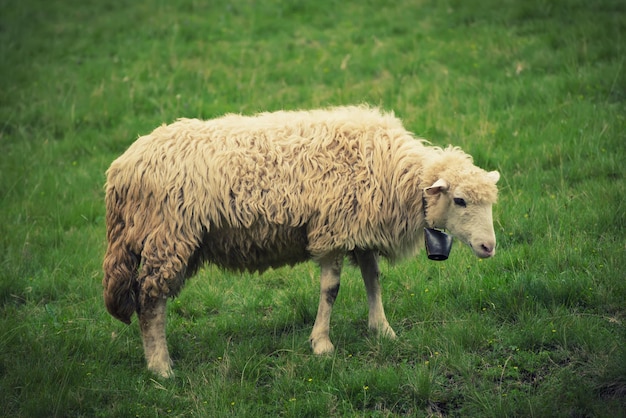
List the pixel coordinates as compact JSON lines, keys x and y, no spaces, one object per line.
{"x":486,"y":248}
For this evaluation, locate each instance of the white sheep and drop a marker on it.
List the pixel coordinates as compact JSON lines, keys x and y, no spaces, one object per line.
{"x":253,"y":192}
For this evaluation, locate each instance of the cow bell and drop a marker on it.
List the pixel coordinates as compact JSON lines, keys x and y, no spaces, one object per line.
{"x":438,"y":244}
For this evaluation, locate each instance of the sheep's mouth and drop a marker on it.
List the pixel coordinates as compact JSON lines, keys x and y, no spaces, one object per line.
{"x":481,"y":251}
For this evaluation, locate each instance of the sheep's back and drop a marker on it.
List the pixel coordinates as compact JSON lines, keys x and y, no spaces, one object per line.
{"x":324,"y":172}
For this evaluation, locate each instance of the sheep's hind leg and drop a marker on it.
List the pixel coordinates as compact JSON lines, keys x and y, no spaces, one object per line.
{"x":162,"y":275}
{"x":152,"y":314}
{"x":330,"y":268}
{"x":370,"y":271}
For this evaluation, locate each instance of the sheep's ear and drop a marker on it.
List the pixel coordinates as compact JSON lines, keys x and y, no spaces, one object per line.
{"x":493,"y":176}
{"x":439,"y":186}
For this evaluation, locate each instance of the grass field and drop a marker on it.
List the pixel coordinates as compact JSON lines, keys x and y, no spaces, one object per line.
{"x":535,"y":89}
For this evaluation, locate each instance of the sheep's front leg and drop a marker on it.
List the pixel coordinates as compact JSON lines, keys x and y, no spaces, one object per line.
{"x":377,"y":320}
{"x":152,"y":314}
{"x":330,"y":269}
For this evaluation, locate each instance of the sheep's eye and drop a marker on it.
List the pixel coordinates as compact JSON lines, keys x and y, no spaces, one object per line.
{"x":460,"y":202}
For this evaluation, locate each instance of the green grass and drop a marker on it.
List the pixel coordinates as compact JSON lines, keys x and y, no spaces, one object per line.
{"x":535,"y":89}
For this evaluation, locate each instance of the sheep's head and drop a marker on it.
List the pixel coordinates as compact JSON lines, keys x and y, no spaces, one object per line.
{"x":462,"y":205}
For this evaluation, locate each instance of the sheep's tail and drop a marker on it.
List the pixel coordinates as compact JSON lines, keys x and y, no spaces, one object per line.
{"x":120,"y":264}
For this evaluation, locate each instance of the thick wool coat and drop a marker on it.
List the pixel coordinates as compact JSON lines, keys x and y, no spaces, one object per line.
{"x":253,"y":192}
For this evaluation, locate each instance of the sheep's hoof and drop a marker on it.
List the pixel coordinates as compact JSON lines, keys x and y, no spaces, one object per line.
{"x":162,"y":369}
{"x":383,"y":329}
{"x":322,"y":346}
{"x":388,"y":332}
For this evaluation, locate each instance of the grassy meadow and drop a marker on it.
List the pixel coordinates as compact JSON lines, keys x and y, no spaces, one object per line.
{"x":535,"y":89}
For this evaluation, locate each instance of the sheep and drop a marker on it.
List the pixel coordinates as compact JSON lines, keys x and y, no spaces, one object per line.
{"x":274,"y":189}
